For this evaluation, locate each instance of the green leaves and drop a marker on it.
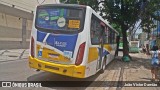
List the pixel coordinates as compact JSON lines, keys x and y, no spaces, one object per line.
{"x":123,"y":12}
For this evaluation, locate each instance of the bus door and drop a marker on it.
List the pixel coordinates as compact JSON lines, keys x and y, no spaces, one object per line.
{"x":100,"y":49}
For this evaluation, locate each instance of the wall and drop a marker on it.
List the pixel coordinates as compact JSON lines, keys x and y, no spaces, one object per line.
{"x":27,"y":5}
{"x":11,"y":24}
{"x":11,"y":32}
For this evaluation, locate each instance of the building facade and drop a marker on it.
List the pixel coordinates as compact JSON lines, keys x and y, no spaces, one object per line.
{"x":16,"y":18}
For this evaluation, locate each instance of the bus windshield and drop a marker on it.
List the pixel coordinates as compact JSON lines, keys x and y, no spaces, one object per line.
{"x":57,"y":18}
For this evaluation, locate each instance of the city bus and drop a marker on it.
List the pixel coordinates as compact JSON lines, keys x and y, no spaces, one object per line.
{"x":71,"y":40}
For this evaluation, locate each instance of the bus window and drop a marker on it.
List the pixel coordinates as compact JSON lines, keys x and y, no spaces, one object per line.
{"x":109,"y":36}
{"x":113,"y":37}
{"x":64,"y":19}
{"x":106,"y":35}
{"x":96,"y":31}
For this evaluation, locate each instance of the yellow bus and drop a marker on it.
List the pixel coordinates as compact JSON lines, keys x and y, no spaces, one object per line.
{"x":71,"y":40}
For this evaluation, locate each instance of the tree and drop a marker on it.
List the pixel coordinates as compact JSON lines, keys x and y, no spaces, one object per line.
{"x":125,"y":14}
{"x":93,"y":3}
{"x":149,"y":15}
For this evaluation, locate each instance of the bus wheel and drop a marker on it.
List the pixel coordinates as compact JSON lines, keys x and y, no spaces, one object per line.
{"x":103,"y":66}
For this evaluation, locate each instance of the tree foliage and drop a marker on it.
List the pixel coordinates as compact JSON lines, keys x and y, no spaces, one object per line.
{"x":149,"y":15}
{"x":124,"y":14}
{"x":92,"y":3}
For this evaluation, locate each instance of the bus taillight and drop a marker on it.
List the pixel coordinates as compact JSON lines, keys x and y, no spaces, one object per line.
{"x":32,"y":47}
{"x":80,"y":54}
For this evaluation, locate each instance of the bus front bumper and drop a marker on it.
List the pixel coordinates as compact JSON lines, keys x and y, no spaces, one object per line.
{"x":68,"y":70}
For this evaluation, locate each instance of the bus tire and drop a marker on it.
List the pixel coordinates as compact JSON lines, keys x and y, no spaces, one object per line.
{"x":103,"y":65}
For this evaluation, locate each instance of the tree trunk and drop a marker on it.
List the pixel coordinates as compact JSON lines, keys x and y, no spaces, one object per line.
{"x":124,"y":33}
{"x":125,"y":42}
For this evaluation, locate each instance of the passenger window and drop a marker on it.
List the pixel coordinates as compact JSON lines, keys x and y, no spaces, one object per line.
{"x":95,"y":31}
{"x":106,"y":32}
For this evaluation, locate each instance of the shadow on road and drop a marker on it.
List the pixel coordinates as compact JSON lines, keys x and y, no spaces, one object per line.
{"x":48,"y":77}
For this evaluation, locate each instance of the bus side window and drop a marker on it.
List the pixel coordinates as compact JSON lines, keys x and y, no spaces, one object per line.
{"x":109,"y":36}
{"x":93,"y":31}
{"x":106,"y":35}
{"x":113,"y":37}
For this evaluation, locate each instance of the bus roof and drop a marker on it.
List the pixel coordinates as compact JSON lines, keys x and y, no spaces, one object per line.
{"x":62,"y":5}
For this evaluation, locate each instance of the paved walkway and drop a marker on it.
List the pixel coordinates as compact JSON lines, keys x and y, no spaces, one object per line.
{"x":13,"y":54}
{"x":137,"y":71}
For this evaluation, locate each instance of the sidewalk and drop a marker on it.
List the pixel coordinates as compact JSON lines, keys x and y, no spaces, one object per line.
{"x":136,"y":71}
{"x":13,"y":54}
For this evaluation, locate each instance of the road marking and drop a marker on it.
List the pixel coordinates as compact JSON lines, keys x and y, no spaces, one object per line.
{"x":3,"y":52}
{"x":22,"y":54}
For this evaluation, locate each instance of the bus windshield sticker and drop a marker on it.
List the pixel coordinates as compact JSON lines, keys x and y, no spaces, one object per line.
{"x":52,"y":18}
{"x":74,"y":23}
{"x":40,"y":53}
{"x":61,"y":22}
{"x":43,"y":14}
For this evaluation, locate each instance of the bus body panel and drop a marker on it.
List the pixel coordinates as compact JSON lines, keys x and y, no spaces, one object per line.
{"x":56,"y":48}
{"x":93,"y":56}
{"x":68,"y":70}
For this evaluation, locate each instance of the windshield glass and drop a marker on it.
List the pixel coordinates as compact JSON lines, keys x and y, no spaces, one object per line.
{"x":59,"y":18}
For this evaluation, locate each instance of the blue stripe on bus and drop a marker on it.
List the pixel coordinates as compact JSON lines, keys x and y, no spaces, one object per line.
{"x":105,"y":52}
{"x":62,"y":42}
{"x":41,"y":36}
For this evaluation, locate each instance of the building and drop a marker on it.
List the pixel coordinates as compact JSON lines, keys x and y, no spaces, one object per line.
{"x":16,"y":22}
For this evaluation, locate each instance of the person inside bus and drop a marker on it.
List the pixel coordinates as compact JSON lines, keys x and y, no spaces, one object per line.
{"x":154,"y":62}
